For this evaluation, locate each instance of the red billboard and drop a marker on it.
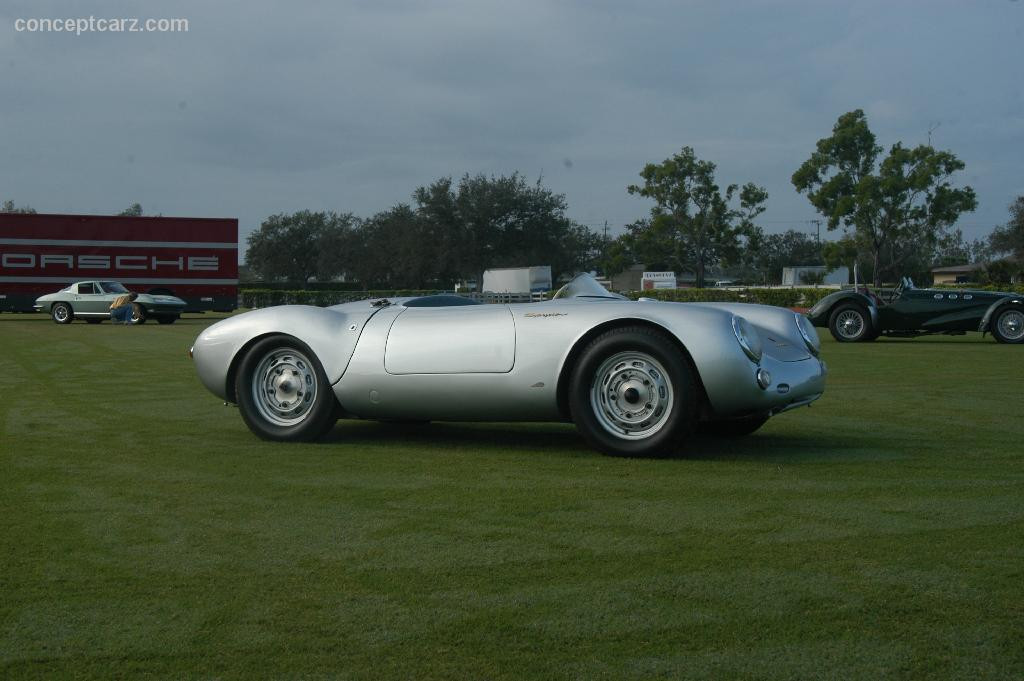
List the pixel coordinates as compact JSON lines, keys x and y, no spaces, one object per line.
{"x":195,"y":259}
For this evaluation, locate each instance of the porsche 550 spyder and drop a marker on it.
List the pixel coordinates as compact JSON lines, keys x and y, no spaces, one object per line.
{"x":636,"y":377}
{"x":859,"y":314}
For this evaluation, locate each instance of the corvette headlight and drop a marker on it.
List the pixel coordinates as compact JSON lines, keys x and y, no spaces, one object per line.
{"x":747,"y":336}
{"x":809,"y":333}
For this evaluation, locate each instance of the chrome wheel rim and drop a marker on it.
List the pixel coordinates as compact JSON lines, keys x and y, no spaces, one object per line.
{"x":60,"y":313}
{"x":1011,"y":325}
{"x":631,"y":395}
{"x":850,"y":324}
{"x":284,"y":387}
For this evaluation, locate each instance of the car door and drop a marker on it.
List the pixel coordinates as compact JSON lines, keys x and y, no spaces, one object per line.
{"x":451,"y":340}
{"x":915,"y":309}
{"x":90,"y":299}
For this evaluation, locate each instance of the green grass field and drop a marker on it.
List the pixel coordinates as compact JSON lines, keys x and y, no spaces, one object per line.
{"x":879,"y":534}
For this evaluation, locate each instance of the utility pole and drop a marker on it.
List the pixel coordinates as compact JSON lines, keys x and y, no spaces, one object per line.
{"x":931,"y":128}
{"x":817,"y":223}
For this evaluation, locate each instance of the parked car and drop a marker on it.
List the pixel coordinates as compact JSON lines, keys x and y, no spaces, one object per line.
{"x":90,"y":300}
{"x":861,"y":315}
{"x":637,"y":377}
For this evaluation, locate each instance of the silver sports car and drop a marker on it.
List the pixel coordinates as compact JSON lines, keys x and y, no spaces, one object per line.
{"x":90,"y":300}
{"x":636,"y":377}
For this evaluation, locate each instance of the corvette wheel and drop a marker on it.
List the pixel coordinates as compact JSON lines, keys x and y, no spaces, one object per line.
{"x":283,"y":392}
{"x":850,"y":324}
{"x":733,"y":427}
{"x":632,"y":393}
{"x":62,"y":314}
{"x":138,"y":314}
{"x":1009,"y":326}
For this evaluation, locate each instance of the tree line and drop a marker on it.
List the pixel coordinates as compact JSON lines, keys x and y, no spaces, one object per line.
{"x":451,"y":232}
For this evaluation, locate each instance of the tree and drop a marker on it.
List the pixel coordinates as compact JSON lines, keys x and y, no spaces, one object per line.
{"x":9,"y":207}
{"x":954,"y":250}
{"x":485,"y":222}
{"x":1009,"y":239}
{"x":134,"y":210}
{"x":288,"y":247}
{"x":692,"y":225}
{"x":897,"y":209}
{"x":392,"y":249}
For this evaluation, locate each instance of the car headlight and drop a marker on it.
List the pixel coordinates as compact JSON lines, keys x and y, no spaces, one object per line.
{"x":747,"y":336}
{"x":809,"y":333}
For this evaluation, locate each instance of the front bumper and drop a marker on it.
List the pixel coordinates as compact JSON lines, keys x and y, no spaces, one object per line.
{"x":793,"y":384}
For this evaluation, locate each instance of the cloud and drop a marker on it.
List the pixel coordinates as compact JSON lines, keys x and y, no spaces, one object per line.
{"x":263,"y":107}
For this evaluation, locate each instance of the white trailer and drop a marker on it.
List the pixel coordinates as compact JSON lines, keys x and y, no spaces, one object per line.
{"x":518,"y":279}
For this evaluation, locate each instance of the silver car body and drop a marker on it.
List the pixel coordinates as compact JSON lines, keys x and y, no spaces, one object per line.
{"x":511,"y":362}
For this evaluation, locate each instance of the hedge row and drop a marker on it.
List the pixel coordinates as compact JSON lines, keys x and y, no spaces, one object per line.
{"x":1003,"y":288}
{"x":782,"y":297}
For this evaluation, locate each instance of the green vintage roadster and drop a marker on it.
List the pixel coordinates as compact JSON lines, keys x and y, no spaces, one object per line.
{"x":90,"y":300}
{"x":861,"y":315}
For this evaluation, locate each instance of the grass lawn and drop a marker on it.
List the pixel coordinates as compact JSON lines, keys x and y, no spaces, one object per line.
{"x":879,"y":534}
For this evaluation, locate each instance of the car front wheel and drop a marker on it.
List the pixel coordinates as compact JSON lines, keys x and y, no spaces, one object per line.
{"x":850,"y":324}
{"x":633,"y":393}
{"x":283,"y":392}
{"x":1009,"y":326}
{"x":62,"y":314}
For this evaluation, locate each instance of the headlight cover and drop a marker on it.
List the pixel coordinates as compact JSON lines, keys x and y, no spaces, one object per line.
{"x":809,"y":333}
{"x":747,"y":337}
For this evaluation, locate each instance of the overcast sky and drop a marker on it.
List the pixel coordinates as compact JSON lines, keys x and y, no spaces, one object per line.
{"x":263,"y":107}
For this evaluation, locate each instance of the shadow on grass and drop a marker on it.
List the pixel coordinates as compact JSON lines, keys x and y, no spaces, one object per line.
{"x":549,"y":437}
{"x":563,"y":439}
{"x":781,"y":448}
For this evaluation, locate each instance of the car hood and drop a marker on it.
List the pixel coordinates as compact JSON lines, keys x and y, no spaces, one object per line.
{"x":161,"y":299}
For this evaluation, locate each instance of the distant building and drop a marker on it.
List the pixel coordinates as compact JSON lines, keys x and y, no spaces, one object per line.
{"x":955,"y":274}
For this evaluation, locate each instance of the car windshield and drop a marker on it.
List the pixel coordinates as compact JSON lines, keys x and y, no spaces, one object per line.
{"x":585,"y":286}
{"x":113,"y":287}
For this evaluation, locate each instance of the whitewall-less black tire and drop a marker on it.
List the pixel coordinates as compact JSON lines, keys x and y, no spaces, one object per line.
{"x":1008,"y":325}
{"x":62,"y":313}
{"x":632,"y":393}
{"x":282,"y":391}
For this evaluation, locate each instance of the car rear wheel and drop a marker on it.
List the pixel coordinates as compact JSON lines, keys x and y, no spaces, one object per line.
{"x":851,"y":324}
{"x":1009,"y":326}
{"x":138,"y":314}
{"x":632,"y":393}
{"x":62,"y":314}
{"x":283,"y":392}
